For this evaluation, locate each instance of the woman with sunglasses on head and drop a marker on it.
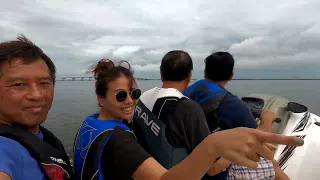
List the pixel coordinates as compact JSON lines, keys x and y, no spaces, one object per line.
{"x":105,"y":148}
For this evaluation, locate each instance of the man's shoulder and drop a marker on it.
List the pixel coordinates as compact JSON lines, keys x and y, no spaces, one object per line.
{"x":5,"y":143}
{"x":231,"y":99}
{"x":236,"y":113}
{"x":16,"y":161}
{"x":182,"y":105}
{"x":120,"y":132}
{"x":188,"y":103}
{"x":10,"y":146}
{"x":231,"y":102}
{"x":193,"y":87}
{"x":120,"y":136}
{"x":11,"y":150}
{"x":189,"y":108}
{"x":150,"y":90}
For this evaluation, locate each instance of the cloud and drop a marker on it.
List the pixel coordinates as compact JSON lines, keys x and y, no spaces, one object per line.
{"x":270,"y":36}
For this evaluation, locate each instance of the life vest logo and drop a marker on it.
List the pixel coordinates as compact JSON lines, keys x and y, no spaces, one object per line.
{"x":54,"y":172}
{"x":58,"y":160}
{"x":84,"y":139}
{"x":149,"y":122}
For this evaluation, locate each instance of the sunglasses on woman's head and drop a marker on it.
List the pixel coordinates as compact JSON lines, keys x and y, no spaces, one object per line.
{"x":122,"y":94}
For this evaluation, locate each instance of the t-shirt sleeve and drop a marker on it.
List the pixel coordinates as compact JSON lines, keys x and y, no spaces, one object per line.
{"x":235,"y":113}
{"x":122,"y":155}
{"x":190,"y":116}
{"x":10,"y":161}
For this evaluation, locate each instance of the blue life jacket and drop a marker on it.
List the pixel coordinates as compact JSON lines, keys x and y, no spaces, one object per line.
{"x":89,"y":145}
{"x":151,"y":131}
{"x":208,"y":95}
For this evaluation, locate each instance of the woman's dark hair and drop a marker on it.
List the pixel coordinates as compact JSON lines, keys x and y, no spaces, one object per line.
{"x":106,"y":71}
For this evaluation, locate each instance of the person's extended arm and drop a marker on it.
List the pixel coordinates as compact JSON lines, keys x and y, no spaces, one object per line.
{"x":123,"y":158}
{"x":235,"y":145}
{"x":192,"y":167}
{"x":235,"y":113}
{"x":221,"y":165}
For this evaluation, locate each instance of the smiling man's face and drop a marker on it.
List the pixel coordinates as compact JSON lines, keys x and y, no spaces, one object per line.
{"x":26,"y":92}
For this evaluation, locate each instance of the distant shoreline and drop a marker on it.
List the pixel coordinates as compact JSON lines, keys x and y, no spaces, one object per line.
{"x":158,"y":79}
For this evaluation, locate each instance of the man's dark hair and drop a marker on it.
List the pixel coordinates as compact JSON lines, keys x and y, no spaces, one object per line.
{"x":176,"y":65}
{"x":26,"y":50}
{"x":219,"y":66}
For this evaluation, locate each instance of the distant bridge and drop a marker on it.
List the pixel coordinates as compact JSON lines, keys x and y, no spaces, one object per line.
{"x":86,"y":78}
{"x":79,"y":78}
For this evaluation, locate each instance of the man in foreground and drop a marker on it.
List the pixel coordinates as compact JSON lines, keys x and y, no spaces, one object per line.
{"x":223,"y":110}
{"x":28,"y":150}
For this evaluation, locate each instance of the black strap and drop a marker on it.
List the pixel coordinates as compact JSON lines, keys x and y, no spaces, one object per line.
{"x":155,"y":138}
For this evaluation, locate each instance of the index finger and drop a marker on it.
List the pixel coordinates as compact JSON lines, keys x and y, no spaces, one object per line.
{"x":266,"y":137}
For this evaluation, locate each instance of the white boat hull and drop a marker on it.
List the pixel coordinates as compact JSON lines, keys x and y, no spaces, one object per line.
{"x":300,"y":163}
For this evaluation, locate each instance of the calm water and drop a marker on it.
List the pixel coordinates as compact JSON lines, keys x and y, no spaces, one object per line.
{"x":74,"y":100}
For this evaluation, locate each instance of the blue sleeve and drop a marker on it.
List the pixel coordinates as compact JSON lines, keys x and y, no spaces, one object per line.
{"x":235,"y":113}
{"x":10,"y":162}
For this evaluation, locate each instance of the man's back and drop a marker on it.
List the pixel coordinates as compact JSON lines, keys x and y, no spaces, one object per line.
{"x":222,"y":109}
{"x":184,"y":119}
{"x":235,"y":113}
{"x":220,"y":106}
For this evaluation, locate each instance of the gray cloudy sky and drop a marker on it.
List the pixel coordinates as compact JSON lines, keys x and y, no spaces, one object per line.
{"x":280,"y":37}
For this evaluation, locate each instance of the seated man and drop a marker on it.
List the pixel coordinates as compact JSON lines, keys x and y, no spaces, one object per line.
{"x":223,"y":110}
{"x":168,"y":124}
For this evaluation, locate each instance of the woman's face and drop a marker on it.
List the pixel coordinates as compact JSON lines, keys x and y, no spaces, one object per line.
{"x":120,"y":99}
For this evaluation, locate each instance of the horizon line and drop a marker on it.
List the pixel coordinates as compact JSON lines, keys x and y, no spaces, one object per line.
{"x":140,"y":78}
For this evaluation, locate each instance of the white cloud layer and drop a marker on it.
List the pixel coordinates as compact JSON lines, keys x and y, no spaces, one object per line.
{"x":280,"y":36}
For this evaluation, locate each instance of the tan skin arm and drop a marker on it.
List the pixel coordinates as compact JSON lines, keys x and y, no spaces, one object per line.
{"x":4,"y":176}
{"x":218,"y":166}
{"x":222,"y":164}
{"x":267,"y":117}
{"x":151,"y":169}
{"x":243,"y":144}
